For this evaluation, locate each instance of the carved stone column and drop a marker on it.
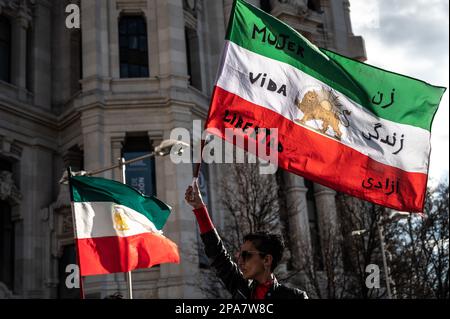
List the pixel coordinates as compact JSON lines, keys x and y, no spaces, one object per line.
{"x":19,"y":52}
{"x":297,"y":214}
{"x":117,"y":141}
{"x":58,"y":226}
{"x":327,"y":219}
{"x":227,"y":6}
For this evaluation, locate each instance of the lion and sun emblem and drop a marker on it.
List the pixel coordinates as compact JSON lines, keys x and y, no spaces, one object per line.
{"x":323,"y":105}
{"x":119,"y":218}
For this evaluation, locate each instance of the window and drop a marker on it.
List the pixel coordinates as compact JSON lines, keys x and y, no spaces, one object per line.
{"x":314,"y":5}
{"x":193,"y":58}
{"x":133,"y":47}
{"x":29,"y":60}
{"x":5,"y":165}
{"x":6,"y":246}
{"x":74,"y":157}
{"x":76,"y":61}
{"x":5,"y":49}
{"x":141,"y":174}
{"x":313,"y":225}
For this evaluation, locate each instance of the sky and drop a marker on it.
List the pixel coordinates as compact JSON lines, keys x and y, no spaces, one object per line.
{"x":411,"y":37}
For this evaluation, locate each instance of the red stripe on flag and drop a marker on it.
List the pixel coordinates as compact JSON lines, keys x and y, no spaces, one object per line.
{"x":322,"y":159}
{"x":105,"y":255}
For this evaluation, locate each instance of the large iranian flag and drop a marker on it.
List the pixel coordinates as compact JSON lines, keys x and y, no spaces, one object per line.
{"x":117,"y":229}
{"x":342,"y":123}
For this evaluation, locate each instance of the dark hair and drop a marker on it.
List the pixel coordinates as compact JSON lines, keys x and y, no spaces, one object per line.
{"x":268,"y":244}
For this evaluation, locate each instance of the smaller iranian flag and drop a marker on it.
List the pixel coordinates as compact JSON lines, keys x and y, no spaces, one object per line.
{"x":118,"y":229}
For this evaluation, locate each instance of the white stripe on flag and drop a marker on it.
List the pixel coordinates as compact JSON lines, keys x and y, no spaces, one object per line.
{"x":234,"y":78}
{"x":104,"y":219}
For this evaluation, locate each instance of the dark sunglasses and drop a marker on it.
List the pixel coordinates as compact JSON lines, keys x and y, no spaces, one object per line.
{"x":247,"y":254}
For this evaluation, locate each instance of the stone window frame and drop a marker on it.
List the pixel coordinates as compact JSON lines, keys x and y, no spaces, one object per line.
{"x":141,"y":16}
{"x":129,"y":136}
{"x":314,"y":224}
{"x":8,"y":44}
{"x":19,"y":14}
{"x":76,"y":61}
{"x":147,"y":9}
{"x":192,"y":13}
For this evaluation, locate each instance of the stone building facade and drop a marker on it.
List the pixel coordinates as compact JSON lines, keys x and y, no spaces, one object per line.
{"x":116,"y":87}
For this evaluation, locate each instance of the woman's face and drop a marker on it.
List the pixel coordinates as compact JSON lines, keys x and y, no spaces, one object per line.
{"x":250,"y":262}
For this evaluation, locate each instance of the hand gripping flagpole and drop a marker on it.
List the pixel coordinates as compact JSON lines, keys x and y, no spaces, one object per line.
{"x":197,"y":166}
{"x":128,"y":274}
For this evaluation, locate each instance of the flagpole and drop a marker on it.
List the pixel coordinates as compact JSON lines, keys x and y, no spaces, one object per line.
{"x":197,"y":166}
{"x":80,"y":278}
{"x":161,"y":150}
{"x":122,"y":164}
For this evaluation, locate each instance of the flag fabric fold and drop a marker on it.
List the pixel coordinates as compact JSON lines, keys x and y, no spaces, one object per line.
{"x":347,"y":125}
{"x":118,"y":229}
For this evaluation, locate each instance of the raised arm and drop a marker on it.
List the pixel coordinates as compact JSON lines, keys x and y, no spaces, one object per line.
{"x":220,"y":259}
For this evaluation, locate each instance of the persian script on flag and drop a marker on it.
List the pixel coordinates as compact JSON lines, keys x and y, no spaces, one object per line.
{"x":342,"y":123}
{"x":118,"y":229}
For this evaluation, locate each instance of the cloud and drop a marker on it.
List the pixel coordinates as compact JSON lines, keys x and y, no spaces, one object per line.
{"x":411,"y":38}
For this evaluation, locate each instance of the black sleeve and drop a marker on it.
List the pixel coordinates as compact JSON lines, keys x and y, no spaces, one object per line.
{"x":226,"y":269}
{"x":283,"y":292}
{"x":300,"y":294}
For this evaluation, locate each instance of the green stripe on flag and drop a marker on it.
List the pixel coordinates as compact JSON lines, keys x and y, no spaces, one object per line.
{"x":96,"y":189}
{"x":414,"y":102}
